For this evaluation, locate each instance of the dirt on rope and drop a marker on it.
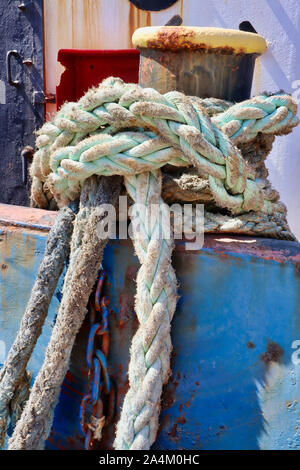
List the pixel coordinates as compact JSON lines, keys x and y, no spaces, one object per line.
{"x":87,"y":248}
{"x":13,"y":372}
{"x":155,"y":302}
{"x":212,"y":152}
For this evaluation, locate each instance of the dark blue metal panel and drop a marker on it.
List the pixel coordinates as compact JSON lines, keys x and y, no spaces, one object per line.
{"x":20,"y":112}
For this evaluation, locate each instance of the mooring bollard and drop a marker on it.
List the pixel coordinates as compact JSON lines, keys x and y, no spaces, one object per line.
{"x":205,"y":62}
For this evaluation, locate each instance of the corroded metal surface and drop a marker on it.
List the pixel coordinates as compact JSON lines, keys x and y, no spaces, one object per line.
{"x":238,"y":315}
{"x":226,"y":76}
{"x":120,"y":283}
{"x":207,"y":39}
{"x":234,"y":383}
{"x":175,"y":38}
{"x":204,"y":62}
{"x":21,"y":251}
{"x":26,"y":217}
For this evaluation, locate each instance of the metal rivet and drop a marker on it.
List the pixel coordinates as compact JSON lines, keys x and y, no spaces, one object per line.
{"x":27,"y":62}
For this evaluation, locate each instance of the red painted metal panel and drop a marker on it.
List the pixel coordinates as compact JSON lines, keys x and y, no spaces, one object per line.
{"x":87,"y":68}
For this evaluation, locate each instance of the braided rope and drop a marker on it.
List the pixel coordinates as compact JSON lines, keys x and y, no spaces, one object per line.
{"x":34,"y":426}
{"x":90,"y":137}
{"x":156,"y":297}
{"x":255,"y":223}
{"x":13,"y":372}
{"x":189,"y":136}
{"x":268,"y":114}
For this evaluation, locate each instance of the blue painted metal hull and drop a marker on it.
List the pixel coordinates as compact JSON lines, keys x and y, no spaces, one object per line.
{"x":234,"y":384}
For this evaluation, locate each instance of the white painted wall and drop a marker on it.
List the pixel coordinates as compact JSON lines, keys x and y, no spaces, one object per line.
{"x":277,"y":20}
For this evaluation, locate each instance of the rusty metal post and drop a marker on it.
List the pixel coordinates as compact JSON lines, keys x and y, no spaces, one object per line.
{"x":205,"y":62}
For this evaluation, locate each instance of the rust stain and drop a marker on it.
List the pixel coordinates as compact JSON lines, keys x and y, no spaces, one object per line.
{"x":177,"y":38}
{"x":10,"y":229}
{"x":181,"y":419}
{"x":137,"y":19}
{"x":126,"y":298}
{"x":5,"y":256}
{"x":86,"y":32}
{"x":62,"y":18}
{"x":268,"y":249}
{"x":72,"y":442}
{"x":148,"y":21}
{"x":163,"y":423}
{"x":28,"y":252}
{"x":250,"y":345}
{"x":55,"y":443}
{"x":169,"y":391}
{"x":123,"y":386}
{"x":273,"y":353}
{"x":173,"y":432}
{"x":297,"y":268}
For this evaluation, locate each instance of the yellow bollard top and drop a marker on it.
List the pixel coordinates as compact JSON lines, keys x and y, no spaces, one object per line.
{"x":210,"y":39}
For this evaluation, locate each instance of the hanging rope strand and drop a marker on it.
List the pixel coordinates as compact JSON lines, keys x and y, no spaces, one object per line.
{"x":149,"y":366}
{"x":13,"y":370}
{"x":87,"y":248}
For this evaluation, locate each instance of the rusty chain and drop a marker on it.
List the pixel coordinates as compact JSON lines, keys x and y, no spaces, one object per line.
{"x":99,"y":401}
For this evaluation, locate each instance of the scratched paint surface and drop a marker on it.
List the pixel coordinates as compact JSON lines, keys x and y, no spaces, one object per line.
{"x":236,"y":314}
{"x":237,"y":317}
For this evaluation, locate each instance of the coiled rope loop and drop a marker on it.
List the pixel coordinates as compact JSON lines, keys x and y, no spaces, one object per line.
{"x":186,"y":135}
{"x":91,"y":137}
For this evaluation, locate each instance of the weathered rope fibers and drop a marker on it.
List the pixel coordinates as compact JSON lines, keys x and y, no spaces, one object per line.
{"x":13,"y":370}
{"x":189,"y":136}
{"x":184,"y":134}
{"x":35,"y":423}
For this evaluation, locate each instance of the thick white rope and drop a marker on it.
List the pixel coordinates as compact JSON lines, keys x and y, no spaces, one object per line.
{"x":13,"y":372}
{"x":189,"y":136}
{"x":184,"y":135}
{"x":149,"y":366}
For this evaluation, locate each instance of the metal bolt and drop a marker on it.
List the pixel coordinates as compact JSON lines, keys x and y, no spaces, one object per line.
{"x":26,"y":156}
{"x":27,"y":62}
{"x":50,"y":98}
